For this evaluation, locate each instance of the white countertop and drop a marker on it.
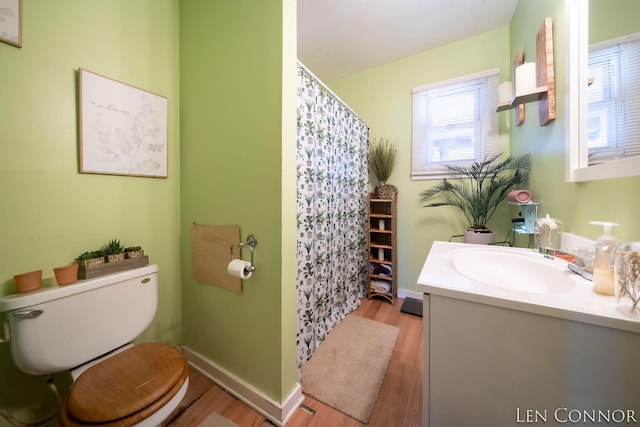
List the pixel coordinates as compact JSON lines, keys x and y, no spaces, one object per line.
{"x":439,"y":277}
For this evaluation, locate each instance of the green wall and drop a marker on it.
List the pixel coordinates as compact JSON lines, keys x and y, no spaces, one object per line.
{"x":50,"y":213}
{"x":231,"y":161}
{"x":233,"y":55}
{"x":609,"y":19}
{"x":238,"y":65}
{"x":575,"y":203}
{"x":382,"y":96}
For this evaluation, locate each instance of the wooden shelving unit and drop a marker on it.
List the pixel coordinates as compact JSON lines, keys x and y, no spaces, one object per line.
{"x":382,"y":276}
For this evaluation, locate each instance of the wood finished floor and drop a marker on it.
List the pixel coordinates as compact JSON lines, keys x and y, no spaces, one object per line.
{"x":399,"y":402}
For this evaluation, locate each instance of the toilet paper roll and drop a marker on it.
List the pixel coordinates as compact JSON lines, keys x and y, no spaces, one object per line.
{"x":526,"y":80}
{"x":240,"y":268}
{"x":505,"y":92}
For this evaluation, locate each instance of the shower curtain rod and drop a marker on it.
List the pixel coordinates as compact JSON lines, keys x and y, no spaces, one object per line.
{"x":333,"y":95}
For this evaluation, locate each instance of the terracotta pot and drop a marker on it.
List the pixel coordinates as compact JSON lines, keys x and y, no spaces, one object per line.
{"x":483,"y":237}
{"x":66,"y":275}
{"x":28,"y":282}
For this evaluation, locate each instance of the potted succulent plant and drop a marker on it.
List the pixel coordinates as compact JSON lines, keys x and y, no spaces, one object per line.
{"x":133,"y":251}
{"x":114,"y":250}
{"x":382,"y":158}
{"x":486,"y":185}
{"x":112,"y":254}
{"x":89,"y":258}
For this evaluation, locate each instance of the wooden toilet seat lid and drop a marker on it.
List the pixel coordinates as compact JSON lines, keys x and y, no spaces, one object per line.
{"x":126,"y":383}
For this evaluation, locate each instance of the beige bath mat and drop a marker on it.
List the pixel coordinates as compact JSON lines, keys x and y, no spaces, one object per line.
{"x":347,"y":369}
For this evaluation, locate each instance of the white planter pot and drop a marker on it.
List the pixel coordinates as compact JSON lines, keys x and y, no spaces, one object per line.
{"x":479,"y":238}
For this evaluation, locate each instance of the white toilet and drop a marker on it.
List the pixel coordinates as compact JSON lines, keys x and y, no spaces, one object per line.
{"x":87,"y":328}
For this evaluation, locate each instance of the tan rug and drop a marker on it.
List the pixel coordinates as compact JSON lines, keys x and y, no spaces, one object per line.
{"x":348,"y":367}
{"x":217,"y":420}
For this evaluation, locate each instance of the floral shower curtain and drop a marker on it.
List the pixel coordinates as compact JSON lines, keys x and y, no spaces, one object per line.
{"x":331,"y":210}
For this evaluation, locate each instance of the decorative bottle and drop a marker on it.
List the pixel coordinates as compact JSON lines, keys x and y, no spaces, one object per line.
{"x":603,"y":260}
{"x":626,"y":272}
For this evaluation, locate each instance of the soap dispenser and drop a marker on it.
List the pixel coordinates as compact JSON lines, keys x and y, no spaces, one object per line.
{"x":602,"y":263}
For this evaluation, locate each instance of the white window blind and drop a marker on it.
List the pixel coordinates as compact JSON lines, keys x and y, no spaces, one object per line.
{"x":613,"y":126}
{"x":454,"y":122}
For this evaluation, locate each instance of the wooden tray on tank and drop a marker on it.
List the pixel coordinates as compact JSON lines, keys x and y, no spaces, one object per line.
{"x":112,"y":267}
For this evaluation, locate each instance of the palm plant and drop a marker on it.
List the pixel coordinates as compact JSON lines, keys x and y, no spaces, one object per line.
{"x":489,"y":183}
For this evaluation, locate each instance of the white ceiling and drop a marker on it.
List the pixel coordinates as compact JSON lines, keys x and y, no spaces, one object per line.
{"x":337,"y":38}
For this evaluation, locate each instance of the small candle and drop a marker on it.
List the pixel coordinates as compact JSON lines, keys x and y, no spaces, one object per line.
{"x":380,"y":254}
{"x":381,"y":224}
{"x":505,"y":92}
{"x":526,"y":78}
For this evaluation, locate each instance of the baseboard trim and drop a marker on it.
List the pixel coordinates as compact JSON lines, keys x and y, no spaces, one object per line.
{"x":403,"y":293}
{"x":278,"y":413}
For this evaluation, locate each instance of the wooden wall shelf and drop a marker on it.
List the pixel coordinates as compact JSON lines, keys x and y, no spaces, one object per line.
{"x":524,"y":98}
{"x":545,"y":93}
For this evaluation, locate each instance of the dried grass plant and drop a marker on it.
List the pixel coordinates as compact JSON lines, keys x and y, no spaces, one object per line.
{"x":382,"y":158}
{"x":628,"y":278}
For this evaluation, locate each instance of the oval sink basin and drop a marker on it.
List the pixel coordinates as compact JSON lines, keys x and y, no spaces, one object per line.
{"x":522,"y":272}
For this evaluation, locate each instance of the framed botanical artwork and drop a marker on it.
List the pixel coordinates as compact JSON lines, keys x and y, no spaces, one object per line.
{"x":123,"y":129}
{"x":11,"y":22}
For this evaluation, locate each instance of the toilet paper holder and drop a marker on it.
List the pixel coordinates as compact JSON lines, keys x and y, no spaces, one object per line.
{"x":251,"y":243}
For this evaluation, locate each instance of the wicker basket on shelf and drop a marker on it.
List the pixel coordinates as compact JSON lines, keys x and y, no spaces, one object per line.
{"x":385,"y":191}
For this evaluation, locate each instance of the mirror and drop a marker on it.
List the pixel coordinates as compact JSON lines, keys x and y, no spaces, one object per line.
{"x":577,"y":22}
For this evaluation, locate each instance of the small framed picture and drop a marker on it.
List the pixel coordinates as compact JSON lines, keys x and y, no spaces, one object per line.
{"x":11,"y":22}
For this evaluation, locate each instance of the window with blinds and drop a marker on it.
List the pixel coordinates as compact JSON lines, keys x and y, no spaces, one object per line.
{"x":613,"y":127}
{"x":454,"y":122}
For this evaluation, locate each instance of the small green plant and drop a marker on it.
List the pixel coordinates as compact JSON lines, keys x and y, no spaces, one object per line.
{"x":90,"y":254}
{"x":133,"y":249}
{"x":114,"y":247}
{"x":85,"y":255}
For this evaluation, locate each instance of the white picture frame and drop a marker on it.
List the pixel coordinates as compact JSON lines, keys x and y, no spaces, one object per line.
{"x":11,"y":22}
{"x":123,"y":129}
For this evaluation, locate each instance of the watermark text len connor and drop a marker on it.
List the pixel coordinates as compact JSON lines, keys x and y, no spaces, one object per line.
{"x":574,"y":416}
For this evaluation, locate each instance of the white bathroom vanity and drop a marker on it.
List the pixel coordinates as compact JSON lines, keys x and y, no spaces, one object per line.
{"x":513,"y":337}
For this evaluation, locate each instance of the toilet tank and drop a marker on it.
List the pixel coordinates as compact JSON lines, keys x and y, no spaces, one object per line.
{"x":56,"y":329}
